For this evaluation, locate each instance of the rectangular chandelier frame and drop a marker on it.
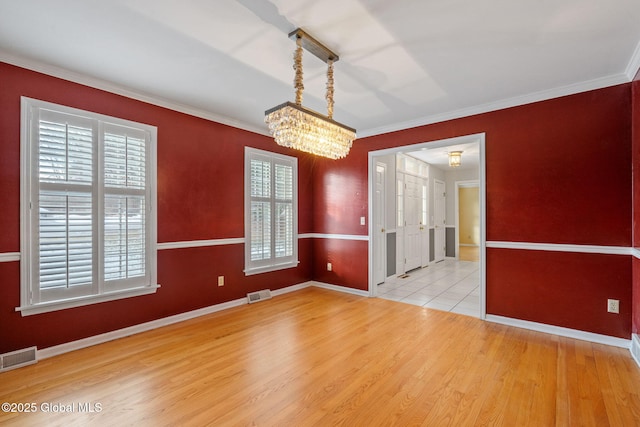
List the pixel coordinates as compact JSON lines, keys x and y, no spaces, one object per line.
{"x":309,"y":112}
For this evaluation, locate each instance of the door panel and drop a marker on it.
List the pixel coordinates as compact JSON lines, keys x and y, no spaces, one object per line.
{"x":424,"y":221}
{"x":379,"y":234}
{"x":439,"y":220}
{"x":413,"y":213}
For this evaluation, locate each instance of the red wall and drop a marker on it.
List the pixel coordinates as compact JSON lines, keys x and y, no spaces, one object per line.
{"x":200,"y":196}
{"x":558,"y":171}
{"x":636,"y":199}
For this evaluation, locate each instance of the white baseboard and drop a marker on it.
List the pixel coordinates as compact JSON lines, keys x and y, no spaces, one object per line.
{"x":635,"y":348}
{"x":154,"y":324}
{"x":342,"y":289}
{"x":558,"y":330}
{"x":291,"y":288}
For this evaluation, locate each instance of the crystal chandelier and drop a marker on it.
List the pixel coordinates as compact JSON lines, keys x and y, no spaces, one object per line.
{"x":300,"y":128}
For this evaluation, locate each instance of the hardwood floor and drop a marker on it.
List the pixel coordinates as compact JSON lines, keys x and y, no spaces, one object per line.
{"x":317,"y":357}
{"x":469,"y":253}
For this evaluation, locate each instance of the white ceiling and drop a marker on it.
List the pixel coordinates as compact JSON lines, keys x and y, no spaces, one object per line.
{"x":402,"y":63}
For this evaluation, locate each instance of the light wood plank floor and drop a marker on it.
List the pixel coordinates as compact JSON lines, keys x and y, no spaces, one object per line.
{"x":317,"y":358}
{"x":469,"y":253}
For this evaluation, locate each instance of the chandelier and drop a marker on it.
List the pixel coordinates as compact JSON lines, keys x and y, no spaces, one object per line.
{"x":300,"y":128}
{"x":455,"y":158}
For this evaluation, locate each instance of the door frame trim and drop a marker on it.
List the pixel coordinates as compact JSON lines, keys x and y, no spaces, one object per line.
{"x":477,"y":138}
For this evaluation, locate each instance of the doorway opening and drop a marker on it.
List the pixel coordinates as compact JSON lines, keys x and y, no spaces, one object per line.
{"x":421,"y":192}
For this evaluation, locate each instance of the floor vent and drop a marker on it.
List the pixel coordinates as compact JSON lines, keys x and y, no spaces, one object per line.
{"x":404,"y":276}
{"x":258,"y":296}
{"x":18,"y":358}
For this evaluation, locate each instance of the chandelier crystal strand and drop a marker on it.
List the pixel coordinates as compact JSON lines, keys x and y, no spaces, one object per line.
{"x":297,"y":66}
{"x":330,"y":88}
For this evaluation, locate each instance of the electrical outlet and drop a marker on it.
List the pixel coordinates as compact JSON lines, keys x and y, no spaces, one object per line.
{"x":329,"y":267}
{"x":363,"y":221}
{"x":220,"y":280}
{"x":613,"y":306}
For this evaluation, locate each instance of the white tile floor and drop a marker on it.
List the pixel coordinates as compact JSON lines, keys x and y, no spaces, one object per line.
{"x":448,"y":285}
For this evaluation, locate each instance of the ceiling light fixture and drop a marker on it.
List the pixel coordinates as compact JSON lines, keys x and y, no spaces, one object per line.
{"x":300,"y":128}
{"x":455,"y":158}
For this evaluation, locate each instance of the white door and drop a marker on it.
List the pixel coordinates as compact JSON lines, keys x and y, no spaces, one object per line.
{"x":439,"y":220}
{"x":424,"y":223}
{"x":379,"y":234}
{"x":412,"y":214}
{"x":400,"y":223}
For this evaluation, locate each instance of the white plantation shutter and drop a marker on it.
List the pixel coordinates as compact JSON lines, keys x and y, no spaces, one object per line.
{"x":86,"y":201}
{"x":124,"y":207}
{"x":271,"y":211}
{"x":283,"y":224}
{"x":64,"y":204}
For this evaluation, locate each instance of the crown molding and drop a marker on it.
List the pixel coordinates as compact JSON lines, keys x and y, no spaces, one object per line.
{"x":502,"y":104}
{"x":72,"y":76}
{"x":634,"y":64}
{"x":65,"y":74}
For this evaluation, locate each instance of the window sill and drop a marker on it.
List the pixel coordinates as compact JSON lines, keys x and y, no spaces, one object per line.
{"x":49,"y":306}
{"x":269,"y":268}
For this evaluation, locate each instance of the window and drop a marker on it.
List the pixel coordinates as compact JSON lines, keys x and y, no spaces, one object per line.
{"x":88,"y":227}
{"x":271,"y":211}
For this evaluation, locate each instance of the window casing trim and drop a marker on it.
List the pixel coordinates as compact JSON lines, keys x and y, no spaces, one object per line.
{"x":62,"y":304}
{"x":29,"y":184}
{"x":272,"y":264}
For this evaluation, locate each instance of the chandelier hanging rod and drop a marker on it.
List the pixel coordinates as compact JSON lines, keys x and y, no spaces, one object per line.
{"x":314,"y":46}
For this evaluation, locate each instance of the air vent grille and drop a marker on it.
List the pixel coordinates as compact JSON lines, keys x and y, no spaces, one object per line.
{"x":258,"y":296}
{"x":18,"y":358}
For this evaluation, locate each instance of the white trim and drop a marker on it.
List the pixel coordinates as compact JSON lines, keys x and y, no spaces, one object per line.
{"x":33,"y":298}
{"x":558,"y":330}
{"x":49,"y":306}
{"x":200,"y":243}
{"x":291,"y":288}
{"x":634,"y":63}
{"x":241,"y":240}
{"x":166,"y":321}
{"x":500,"y":104}
{"x":272,"y":261}
{"x":555,"y":247}
{"x":635,"y":348}
{"x":635,"y":252}
{"x":333,"y":236}
{"x":96,"y":83}
{"x":342,"y":289}
{"x":9,"y":256}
